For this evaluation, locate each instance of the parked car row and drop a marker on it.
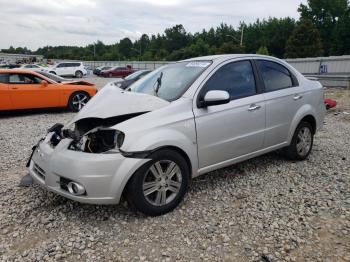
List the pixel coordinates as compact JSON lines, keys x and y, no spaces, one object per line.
{"x":73,"y":69}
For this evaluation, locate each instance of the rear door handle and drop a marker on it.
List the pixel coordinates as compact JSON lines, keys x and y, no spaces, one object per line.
{"x":297,"y":97}
{"x":14,"y":88}
{"x":254,"y":107}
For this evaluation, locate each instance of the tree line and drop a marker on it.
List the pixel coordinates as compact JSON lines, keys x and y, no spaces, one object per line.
{"x":322,"y":30}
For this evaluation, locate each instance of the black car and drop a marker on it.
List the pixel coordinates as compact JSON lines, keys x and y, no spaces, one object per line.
{"x":97,"y":70}
{"x":127,"y":81}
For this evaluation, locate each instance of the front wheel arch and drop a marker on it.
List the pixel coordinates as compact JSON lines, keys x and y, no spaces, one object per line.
{"x":173,"y":148}
{"x":133,"y":188}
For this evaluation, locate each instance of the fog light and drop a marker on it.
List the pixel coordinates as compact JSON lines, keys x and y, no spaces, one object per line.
{"x":75,"y":189}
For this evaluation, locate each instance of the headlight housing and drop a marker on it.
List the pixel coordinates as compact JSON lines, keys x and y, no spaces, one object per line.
{"x":101,"y":140}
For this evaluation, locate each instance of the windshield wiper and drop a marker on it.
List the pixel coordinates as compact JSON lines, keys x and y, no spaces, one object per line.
{"x":159,"y":83}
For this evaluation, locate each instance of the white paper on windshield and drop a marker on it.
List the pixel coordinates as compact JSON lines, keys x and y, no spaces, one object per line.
{"x":198,"y":64}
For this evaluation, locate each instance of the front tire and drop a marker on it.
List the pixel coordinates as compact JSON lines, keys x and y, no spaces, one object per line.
{"x":302,"y":142}
{"x":52,"y":72}
{"x":77,"y":101}
{"x":159,"y":186}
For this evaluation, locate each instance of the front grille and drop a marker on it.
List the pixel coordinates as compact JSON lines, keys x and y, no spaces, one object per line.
{"x":39,"y":171}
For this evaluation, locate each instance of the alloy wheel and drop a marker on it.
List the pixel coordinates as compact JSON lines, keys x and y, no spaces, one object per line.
{"x":304,"y":141}
{"x":79,"y":101}
{"x":162,"y":182}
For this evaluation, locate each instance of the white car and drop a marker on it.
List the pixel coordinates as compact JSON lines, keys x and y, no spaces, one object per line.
{"x":76,"y":69}
{"x":35,"y":68}
{"x":180,"y":121}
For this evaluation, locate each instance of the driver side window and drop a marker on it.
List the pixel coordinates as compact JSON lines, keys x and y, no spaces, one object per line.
{"x":236,"y":78}
{"x":24,"y":79}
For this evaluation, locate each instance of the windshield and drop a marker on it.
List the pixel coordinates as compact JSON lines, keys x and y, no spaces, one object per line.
{"x":171,"y":81}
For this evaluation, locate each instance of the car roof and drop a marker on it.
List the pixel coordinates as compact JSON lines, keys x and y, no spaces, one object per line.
{"x":16,"y":70}
{"x":224,"y":57}
{"x":24,"y":71}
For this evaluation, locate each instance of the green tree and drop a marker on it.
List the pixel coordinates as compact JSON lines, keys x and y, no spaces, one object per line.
{"x":305,"y":41}
{"x":175,"y":38}
{"x":125,"y":48}
{"x":272,"y":33}
{"x":341,"y":43}
{"x":230,"y":48}
{"x":325,"y":15}
{"x":263,"y":50}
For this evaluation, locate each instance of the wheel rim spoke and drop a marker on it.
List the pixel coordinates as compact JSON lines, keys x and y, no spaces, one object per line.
{"x":170,"y":168}
{"x":163,"y":202}
{"x":154,"y":172}
{"x":150,"y":187}
{"x":159,"y":168}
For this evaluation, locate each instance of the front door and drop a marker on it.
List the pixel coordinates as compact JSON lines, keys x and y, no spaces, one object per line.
{"x":228,"y":131}
{"x":27,"y":92}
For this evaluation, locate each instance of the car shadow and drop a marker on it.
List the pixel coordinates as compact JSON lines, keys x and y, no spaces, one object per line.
{"x":212,"y":180}
{"x":28,"y":112}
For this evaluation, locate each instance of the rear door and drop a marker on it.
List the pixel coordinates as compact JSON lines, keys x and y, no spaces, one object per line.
{"x":5,"y":101}
{"x":283,"y":97}
{"x":228,"y":131}
{"x":27,"y":92}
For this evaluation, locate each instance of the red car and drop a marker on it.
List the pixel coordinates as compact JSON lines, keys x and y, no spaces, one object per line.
{"x":118,"y":72}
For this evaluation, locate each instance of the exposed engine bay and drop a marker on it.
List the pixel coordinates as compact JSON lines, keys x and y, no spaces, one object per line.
{"x":92,"y":135}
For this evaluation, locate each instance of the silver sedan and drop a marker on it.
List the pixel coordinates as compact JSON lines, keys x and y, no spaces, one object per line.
{"x":178,"y":122}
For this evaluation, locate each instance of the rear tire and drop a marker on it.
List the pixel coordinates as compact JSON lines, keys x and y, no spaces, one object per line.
{"x":78,"y":100}
{"x":159,"y":186}
{"x":78,"y":74}
{"x":302,"y":142}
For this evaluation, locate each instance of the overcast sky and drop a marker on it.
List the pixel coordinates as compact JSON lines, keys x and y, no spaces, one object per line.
{"x":37,"y":23}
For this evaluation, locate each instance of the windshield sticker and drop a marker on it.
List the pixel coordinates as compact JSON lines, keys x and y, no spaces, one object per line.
{"x":198,"y":64}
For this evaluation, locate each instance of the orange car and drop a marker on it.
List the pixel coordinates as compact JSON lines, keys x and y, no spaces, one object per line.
{"x":23,"y":89}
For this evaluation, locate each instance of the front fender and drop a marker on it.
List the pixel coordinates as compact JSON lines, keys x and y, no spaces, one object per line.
{"x":165,"y":137}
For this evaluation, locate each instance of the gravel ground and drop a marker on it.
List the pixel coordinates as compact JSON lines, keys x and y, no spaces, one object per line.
{"x":264,"y":209}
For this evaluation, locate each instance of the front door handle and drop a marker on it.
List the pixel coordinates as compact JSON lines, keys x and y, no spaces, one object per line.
{"x":14,"y":88}
{"x":297,"y":97}
{"x":254,"y":107}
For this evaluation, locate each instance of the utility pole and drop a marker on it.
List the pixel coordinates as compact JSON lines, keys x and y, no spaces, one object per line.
{"x":242,"y":34}
{"x":140,"y":50}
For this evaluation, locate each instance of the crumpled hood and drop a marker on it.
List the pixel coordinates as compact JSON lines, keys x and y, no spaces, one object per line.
{"x":78,"y":82}
{"x":111,"y":101}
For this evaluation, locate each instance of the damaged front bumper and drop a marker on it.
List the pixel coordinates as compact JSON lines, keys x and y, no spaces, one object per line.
{"x":103,"y":176}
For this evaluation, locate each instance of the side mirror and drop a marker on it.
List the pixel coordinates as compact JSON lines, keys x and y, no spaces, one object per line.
{"x":215,"y":97}
{"x":44,"y":83}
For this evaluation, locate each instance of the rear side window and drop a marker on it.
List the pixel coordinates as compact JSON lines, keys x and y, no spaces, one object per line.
{"x":4,"y":78}
{"x":275,"y":76}
{"x":236,"y":78}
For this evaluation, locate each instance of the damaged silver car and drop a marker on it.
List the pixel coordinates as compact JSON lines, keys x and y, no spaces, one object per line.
{"x":180,"y":121}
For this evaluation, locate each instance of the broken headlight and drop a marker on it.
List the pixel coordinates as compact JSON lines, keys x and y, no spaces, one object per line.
{"x":101,"y":140}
